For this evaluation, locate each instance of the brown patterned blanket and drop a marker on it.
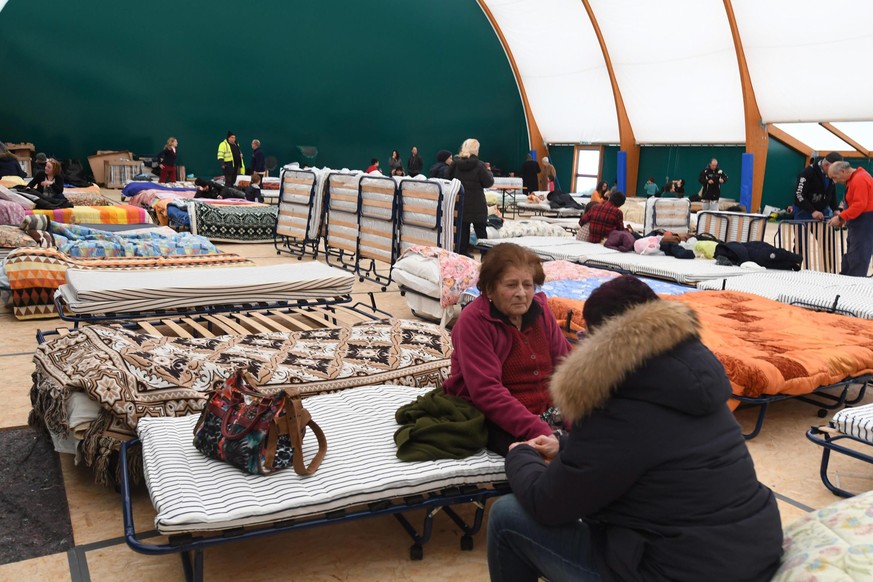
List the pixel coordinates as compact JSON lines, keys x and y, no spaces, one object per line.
{"x":134,"y":376}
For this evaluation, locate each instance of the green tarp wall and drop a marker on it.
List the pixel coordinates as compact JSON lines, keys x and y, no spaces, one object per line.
{"x":354,"y":79}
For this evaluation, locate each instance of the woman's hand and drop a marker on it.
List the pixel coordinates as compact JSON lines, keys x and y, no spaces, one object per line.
{"x":546,"y":446}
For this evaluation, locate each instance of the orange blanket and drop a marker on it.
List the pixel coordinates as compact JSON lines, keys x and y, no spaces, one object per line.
{"x":768,"y":347}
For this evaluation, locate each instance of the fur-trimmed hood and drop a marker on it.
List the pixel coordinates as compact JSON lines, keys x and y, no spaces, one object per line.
{"x":647,"y":353}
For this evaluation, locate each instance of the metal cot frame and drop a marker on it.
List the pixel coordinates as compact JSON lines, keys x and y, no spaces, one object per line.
{"x":297,"y":192}
{"x":827,"y":437}
{"x":191,"y":547}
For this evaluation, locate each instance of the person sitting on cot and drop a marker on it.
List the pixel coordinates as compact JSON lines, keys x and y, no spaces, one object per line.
{"x":253,"y":190}
{"x":506,"y":343}
{"x":654,"y":472}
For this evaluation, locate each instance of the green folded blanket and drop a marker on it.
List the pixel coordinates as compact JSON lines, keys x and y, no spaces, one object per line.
{"x":439,"y":426}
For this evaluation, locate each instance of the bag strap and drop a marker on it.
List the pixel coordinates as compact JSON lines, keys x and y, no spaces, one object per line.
{"x":298,"y":418}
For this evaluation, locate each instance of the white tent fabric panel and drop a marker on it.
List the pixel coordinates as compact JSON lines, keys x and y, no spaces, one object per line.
{"x":791,"y":47}
{"x":676,"y":66}
{"x":815,"y":136}
{"x":562,"y":68}
{"x":860,"y":131}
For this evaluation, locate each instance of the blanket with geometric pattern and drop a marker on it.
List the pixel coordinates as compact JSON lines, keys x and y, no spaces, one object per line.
{"x":132,"y":375}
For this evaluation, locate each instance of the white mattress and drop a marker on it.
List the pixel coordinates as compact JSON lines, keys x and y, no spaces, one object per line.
{"x":194,"y":493}
{"x":556,"y":247}
{"x":857,"y":422}
{"x":89,"y":291}
{"x":688,"y":271}
{"x":806,"y":288}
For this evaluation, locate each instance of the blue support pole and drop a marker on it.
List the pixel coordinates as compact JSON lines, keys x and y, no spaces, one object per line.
{"x":533,"y":154}
{"x":748,"y":171}
{"x":621,"y":172}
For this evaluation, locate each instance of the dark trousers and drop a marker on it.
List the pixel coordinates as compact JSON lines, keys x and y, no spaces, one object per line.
{"x":464,"y":244}
{"x":168,"y":174}
{"x":856,"y":261}
{"x":230,"y":173}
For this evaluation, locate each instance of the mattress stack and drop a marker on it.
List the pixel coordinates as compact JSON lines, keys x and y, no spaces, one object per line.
{"x":92,"y":292}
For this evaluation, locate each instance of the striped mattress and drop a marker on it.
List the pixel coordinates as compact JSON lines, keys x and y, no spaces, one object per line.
{"x":118,"y":214}
{"x":686,"y":271}
{"x":90,"y":292}
{"x":857,"y":422}
{"x":556,"y":247}
{"x":826,"y":291}
{"x":194,"y":493}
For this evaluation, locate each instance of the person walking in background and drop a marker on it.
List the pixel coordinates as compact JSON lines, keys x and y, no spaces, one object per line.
{"x":414,"y":164}
{"x":858,"y":217}
{"x":167,"y":161}
{"x":442,"y":167}
{"x":529,"y":171}
{"x":711,"y":178}
{"x":258,"y":162}
{"x":679,"y":188}
{"x":230,"y":158}
{"x":815,"y":196}
{"x":547,"y":176}
{"x":475,"y":177}
{"x":395,"y":163}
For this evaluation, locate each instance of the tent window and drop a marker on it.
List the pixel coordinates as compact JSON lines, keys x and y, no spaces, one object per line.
{"x":586,"y":167}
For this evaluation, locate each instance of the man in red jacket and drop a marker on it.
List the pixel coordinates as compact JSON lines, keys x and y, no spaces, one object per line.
{"x":858,"y":217}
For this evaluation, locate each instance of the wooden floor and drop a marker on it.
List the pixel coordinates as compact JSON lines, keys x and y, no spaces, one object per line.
{"x":370,"y":549}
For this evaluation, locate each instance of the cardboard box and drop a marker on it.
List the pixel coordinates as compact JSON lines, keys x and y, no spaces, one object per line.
{"x":98,"y":160}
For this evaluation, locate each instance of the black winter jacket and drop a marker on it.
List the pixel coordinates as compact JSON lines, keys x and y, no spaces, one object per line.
{"x":475,"y":177}
{"x":811,"y":194}
{"x":529,"y":171}
{"x":439,"y":170}
{"x":761,"y":253}
{"x":654,"y":462}
{"x":711,"y":191}
{"x":9,"y":166}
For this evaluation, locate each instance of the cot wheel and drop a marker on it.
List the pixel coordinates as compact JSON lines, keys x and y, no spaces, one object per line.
{"x":360,"y":279}
{"x":466,"y":543}
{"x":278,"y":252}
{"x":416,"y":552}
{"x":822,"y":413}
{"x":299,"y":258}
{"x":384,"y":289}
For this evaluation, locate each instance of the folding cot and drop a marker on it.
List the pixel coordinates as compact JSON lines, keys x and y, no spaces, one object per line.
{"x":853,"y":425}
{"x":821,"y":246}
{"x":544,"y":209}
{"x":673,"y":214}
{"x":429,"y":213}
{"x":550,"y":248}
{"x":342,"y":208}
{"x":686,"y":271}
{"x":298,"y":223}
{"x":813,"y":289}
{"x":201,"y":502}
{"x":90,"y":293}
{"x":377,"y":228}
{"x":732,"y":226}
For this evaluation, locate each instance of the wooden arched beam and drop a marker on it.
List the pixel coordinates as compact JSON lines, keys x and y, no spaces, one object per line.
{"x":627,"y":141}
{"x":842,"y":135}
{"x":535,"y":138}
{"x":757,"y":138}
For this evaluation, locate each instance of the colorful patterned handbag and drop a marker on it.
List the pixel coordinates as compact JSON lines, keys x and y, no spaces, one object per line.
{"x":257,"y":433}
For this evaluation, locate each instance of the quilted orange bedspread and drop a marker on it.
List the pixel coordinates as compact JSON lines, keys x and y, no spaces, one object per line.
{"x":768,"y":347}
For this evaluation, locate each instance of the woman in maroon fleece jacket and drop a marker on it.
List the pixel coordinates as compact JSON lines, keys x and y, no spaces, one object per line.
{"x":506,"y":344}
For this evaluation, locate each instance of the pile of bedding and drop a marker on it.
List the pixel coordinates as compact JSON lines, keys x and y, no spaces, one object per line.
{"x":770,"y":348}
{"x":134,"y":376}
{"x":517,"y":228}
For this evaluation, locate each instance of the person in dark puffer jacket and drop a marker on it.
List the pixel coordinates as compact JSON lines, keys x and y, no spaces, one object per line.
{"x":654,"y":481}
